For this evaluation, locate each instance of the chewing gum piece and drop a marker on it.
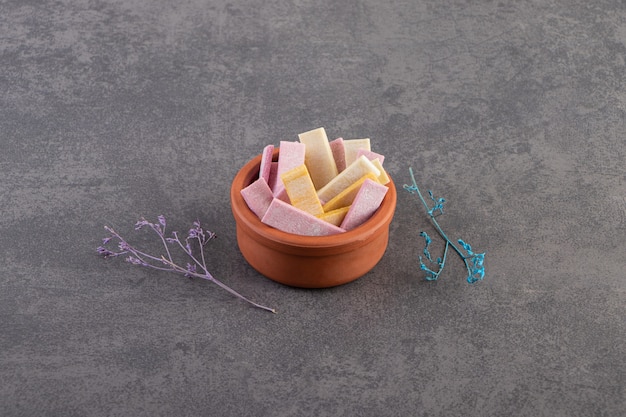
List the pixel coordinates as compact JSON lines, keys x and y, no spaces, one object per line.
{"x":318,"y":157}
{"x":346,"y":197}
{"x":258,"y":197}
{"x":287,"y":218}
{"x":365,"y":204}
{"x":349,"y":175}
{"x":301,"y":191}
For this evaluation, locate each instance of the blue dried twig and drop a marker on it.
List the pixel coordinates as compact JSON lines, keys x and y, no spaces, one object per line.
{"x":430,"y":274}
{"x":474,"y":262}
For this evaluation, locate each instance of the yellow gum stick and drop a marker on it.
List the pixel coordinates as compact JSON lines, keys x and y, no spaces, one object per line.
{"x":318,"y":157}
{"x":346,"y":197}
{"x":335,"y":216}
{"x":352,"y":146}
{"x":301,"y":191}
{"x":383,"y":178}
{"x":352,"y":173}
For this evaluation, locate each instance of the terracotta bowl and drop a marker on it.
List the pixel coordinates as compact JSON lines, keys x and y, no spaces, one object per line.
{"x":308,"y":261}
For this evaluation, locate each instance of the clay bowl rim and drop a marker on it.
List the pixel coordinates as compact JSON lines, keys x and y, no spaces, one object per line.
{"x":272,"y":237}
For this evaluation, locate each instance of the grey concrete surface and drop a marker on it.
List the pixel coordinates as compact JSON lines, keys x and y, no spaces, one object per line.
{"x":514,"y":111}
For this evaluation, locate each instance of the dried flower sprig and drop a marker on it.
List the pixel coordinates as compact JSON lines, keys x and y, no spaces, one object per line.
{"x":197,"y":267}
{"x":473,"y":261}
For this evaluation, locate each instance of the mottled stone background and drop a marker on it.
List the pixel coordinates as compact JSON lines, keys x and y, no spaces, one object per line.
{"x":514,"y":111}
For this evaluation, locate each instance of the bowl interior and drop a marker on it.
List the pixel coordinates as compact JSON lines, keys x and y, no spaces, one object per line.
{"x":250,"y":172}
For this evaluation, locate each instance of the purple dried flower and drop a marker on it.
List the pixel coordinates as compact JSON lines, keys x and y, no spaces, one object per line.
{"x":191,"y":269}
{"x":210,"y":236}
{"x":105,"y":252}
{"x":134,"y":261}
{"x":141,"y":223}
{"x":161,"y":219}
{"x":196,"y":232}
{"x":166,"y":263}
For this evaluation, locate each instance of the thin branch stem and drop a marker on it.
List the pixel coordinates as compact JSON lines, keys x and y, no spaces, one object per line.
{"x":209,"y":277}
{"x":202,"y":255}
{"x":437,"y":226}
{"x":162,"y":236}
{"x":143,"y":258}
{"x":188,"y":252}
{"x":445,"y":255}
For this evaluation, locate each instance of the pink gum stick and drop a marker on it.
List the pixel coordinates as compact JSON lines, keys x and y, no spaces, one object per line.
{"x":258,"y":197}
{"x":266,"y":163}
{"x":287,"y":218}
{"x":365,"y":204}
{"x":339,"y":153}
{"x":291,"y":156}
{"x":370,"y":155}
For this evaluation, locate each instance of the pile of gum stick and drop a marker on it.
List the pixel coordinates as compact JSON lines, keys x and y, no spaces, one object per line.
{"x":318,"y":187}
